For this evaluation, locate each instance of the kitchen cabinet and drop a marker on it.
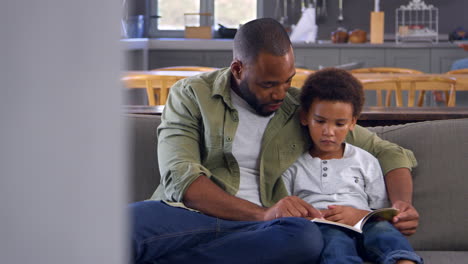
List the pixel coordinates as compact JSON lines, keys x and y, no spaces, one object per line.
{"x":442,"y":59}
{"x":412,"y":58}
{"x":370,"y":57}
{"x":427,"y":57}
{"x":167,"y":58}
{"x":315,"y":58}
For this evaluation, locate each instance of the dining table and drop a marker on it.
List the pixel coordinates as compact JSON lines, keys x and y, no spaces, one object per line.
{"x":461,"y":79}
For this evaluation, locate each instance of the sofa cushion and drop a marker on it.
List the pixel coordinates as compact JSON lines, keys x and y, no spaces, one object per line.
{"x":440,"y":180}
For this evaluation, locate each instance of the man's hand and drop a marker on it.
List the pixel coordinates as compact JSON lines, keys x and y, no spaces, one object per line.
{"x":400,"y":189}
{"x":344,"y":214}
{"x":407,"y":219}
{"x":291,"y":206}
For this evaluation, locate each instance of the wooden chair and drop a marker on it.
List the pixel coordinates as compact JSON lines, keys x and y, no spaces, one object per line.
{"x":157,"y":86}
{"x":428,"y":83}
{"x":459,"y":71}
{"x":412,"y":84}
{"x":389,"y":70}
{"x":304,"y":71}
{"x":386,"y":70}
{"x":388,"y":84}
{"x":186,"y":68}
{"x":301,"y":76}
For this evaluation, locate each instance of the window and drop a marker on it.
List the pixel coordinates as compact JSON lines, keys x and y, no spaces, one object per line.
{"x":231,"y":13}
{"x":167,"y":16}
{"x":171,"y":13}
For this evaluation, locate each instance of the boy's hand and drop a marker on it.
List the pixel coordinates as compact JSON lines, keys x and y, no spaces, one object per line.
{"x":343,"y":214}
{"x":291,"y":206}
{"x":407,"y":220}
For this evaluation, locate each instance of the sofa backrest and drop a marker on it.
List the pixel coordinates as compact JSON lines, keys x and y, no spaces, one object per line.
{"x":440,"y":180}
{"x":142,"y":148}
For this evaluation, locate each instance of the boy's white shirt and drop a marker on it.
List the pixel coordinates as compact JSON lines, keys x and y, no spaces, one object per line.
{"x":355,"y":180}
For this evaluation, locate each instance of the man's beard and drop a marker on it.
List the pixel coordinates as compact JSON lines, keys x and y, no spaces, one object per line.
{"x":251,"y":99}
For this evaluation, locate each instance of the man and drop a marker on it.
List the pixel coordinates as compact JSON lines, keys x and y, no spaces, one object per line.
{"x":224,"y":141}
{"x":461,"y":63}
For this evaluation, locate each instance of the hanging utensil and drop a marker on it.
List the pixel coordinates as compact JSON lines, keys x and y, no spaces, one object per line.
{"x":277,"y":14}
{"x":340,"y":6}
{"x":324,"y":8}
{"x":284,"y":18}
{"x":319,"y":8}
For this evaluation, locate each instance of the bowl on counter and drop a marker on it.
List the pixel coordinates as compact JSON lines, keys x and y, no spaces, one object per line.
{"x":225,"y":32}
{"x":357,"y":36}
{"x":339,"y":36}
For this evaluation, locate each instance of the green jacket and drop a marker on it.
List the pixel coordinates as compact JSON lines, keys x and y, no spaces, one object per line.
{"x":198,"y":126}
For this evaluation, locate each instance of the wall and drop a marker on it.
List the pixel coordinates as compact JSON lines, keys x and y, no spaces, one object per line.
{"x":62,"y":165}
{"x":357,"y":14}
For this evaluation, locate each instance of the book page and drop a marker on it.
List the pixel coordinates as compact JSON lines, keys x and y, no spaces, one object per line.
{"x":378,"y":215}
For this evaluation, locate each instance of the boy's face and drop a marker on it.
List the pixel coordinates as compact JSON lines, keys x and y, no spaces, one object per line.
{"x":328,"y":123}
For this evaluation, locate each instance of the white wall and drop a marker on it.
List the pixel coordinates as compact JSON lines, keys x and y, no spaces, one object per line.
{"x":62,"y":181}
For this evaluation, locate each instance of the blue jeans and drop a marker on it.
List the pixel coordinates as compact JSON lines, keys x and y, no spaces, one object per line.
{"x":380,"y":242}
{"x":166,"y":234}
{"x":459,"y":64}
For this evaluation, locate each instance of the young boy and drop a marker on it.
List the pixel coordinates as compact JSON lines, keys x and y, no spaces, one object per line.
{"x":342,"y":181}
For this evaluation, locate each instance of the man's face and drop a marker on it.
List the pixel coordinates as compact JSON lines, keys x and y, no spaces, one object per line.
{"x":328,"y":123}
{"x":264,"y":83}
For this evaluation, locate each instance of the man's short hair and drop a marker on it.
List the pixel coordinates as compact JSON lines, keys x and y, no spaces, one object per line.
{"x":260,"y":35}
{"x":333,"y":84}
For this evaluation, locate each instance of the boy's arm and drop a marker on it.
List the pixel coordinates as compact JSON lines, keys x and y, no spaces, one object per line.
{"x":396,"y":163}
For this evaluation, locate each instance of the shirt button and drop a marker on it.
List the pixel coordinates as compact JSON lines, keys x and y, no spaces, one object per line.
{"x":324,"y":175}
{"x":325,"y":169}
{"x":229,"y":139}
{"x":324,"y":162}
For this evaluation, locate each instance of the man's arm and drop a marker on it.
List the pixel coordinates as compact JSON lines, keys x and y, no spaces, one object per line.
{"x":400,"y":190}
{"x":207,"y":197}
{"x":396,"y":163}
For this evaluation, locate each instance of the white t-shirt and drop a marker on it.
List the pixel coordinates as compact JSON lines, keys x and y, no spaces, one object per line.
{"x":355,"y":180}
{"x":246,"y":148}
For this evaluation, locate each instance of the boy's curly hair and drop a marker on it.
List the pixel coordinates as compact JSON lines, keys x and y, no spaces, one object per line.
{"x":332,"y":84}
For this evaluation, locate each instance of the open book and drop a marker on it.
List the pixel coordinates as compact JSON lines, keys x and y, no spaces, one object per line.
{"x":376,"y":215}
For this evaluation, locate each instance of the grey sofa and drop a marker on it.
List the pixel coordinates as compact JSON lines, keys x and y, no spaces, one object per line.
{"x":440,"y":180}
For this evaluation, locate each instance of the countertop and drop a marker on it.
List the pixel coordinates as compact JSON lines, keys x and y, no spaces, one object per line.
{"x":226,"y":44}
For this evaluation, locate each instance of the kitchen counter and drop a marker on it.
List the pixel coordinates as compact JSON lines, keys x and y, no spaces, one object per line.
{"x":226,"y":44}
{"x":428,"y":57}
